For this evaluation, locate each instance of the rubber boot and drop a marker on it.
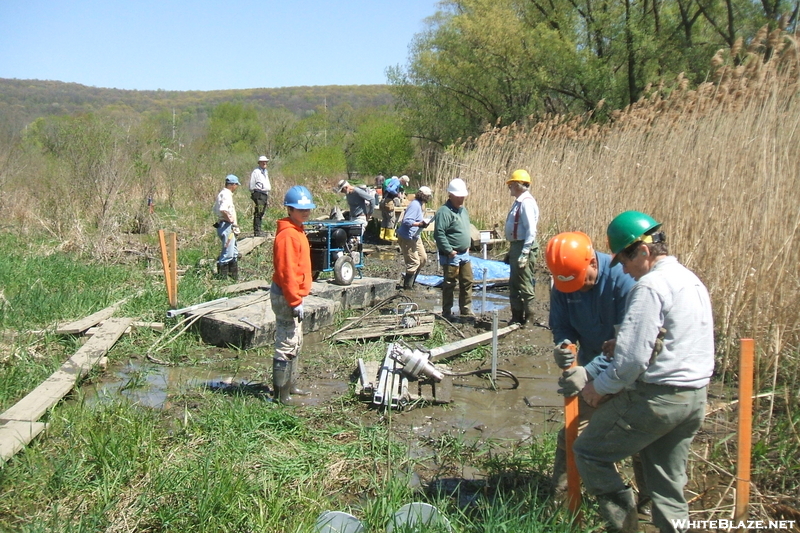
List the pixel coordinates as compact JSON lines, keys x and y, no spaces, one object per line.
{"x":281,"y":378}
{"x":408,"y":281}
{"x":382,"y":236}
{"x":643,"y":497}
{"x":257,"y":227}
{"x":390,"y":236}
{"x":295,"y":373}
{"x":414,"y":279}
{"x":517,"y":317}
{"x":528,"y":315}
{"x":222,"y":270}
{"x":233,"y":270}
{"x":558,"y":482}
{"x":619,"y":510}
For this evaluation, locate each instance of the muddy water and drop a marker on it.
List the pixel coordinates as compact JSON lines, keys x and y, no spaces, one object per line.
{"x":477,"y":411}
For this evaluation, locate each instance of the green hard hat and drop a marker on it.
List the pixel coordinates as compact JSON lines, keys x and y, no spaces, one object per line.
{"x":627,"y":228}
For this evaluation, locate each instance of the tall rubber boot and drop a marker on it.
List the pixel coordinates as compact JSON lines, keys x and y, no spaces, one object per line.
{"x":281,"y":380}
{"x":414,"y":279}
{"x":619,"y":510}
{"x":382,"y":236}
{"x":295,"y":373}
{"x":558,"y":482}
{"x":222,"y":270}
{"x":390,"y":236}
{"x":528,"y":315}
{"x":517,"y":317}
{"x":408,"y":281}
{"x":257,"y":227}
{"x":233,"y":270}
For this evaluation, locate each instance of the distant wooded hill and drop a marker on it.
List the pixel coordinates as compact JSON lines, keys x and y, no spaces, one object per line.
{"x":21,"y":101}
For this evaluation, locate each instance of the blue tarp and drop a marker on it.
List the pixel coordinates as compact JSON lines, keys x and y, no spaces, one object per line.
{"x":496,"y":271}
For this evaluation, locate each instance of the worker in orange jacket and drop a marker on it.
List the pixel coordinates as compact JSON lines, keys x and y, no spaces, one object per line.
{"x":291,"y":282}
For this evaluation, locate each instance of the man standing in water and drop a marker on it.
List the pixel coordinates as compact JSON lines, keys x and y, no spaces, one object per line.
{"x":291,"y":282}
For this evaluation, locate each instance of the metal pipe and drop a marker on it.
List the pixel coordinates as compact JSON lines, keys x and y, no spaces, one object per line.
{"x":483,"y":291}
{"x":172,"y":313}
{"x":494,"y":347}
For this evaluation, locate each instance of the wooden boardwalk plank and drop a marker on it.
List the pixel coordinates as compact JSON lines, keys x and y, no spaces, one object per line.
{"x":48,"y":393}
{"x":463,"y":345}
{"x":15,"y":435}
{"x":79,"y":326}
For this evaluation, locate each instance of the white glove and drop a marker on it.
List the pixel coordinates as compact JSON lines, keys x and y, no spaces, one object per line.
{"x":563,"y":356}
{"x":522,"y":261}
{"x":235,"y":229}
{"x":297,"y":312}
{"x":572,"y":381}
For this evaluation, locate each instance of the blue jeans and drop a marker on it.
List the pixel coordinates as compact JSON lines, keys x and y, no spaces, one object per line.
{"x":228,"y":239}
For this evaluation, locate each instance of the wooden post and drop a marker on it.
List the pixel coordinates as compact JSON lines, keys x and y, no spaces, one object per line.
{"x":745,"y":430}
{"x":170,"y":263}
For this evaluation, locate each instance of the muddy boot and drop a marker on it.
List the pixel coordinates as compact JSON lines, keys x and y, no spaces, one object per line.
{"x":408,"y":281}
{"x":619,"y":510}
{"x":528,"y":314}
{"x":222,"y":270}
{"x":517,"y":317}
{"x":558,"y":482}
{"x":414,"y":277}
{"x":257,"y":227}
{"x":295,"y":373}
{"x":281,"y":376}
{"x":233,"y":270}
{"x":643,"y":495}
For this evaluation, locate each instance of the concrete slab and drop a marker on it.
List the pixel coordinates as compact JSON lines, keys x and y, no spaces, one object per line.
{"x":247,"y":321}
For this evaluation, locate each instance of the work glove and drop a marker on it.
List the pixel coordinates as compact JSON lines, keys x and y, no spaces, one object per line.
{"x":522,"y":261}
{"x":297,"y":312}
{"x":235,"y":229}
{"x":563,"y":356}
{"x":572,"y":381}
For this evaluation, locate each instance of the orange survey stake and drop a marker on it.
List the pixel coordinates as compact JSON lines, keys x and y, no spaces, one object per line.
{"x":571,"y":433}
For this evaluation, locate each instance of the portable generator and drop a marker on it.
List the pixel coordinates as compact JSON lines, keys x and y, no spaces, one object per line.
{"x":335,"y":247}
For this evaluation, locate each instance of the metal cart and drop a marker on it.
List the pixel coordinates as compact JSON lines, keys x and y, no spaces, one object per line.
{"x":335,"y":247}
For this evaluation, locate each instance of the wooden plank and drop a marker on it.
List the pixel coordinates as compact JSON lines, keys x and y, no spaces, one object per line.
{"x":248,"y":244}
{"x":455,"y":348}
{"x":79,"y":326}
{"x":390,"y":329}
{"x":15,"y":435}
{"x":48,"y":393}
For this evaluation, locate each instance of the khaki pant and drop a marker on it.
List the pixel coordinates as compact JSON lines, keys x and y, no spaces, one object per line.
{"x":460,"y":274}
{"x":414,"y":254}
{"x":288,"y":330}
{"x":521,"y":283}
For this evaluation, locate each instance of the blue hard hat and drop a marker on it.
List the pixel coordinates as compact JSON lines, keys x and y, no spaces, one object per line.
{"x":299,"y":197}
{"x":230,"y":179}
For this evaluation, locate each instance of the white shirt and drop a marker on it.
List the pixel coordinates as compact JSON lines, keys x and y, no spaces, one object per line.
{"x":259,"y":180}
{"x":225,"y":203}
{"x":524,"y":214}
{"x":673,"y":297}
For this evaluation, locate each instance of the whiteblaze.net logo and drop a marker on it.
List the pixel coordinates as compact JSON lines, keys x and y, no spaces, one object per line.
{"x":725,"y":524}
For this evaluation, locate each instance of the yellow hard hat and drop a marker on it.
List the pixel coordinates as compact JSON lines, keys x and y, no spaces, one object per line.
{"x":520,"y":175}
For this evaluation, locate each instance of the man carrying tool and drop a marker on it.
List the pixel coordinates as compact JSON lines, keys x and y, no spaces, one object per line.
{"x":360,"y":201}
{"x":259,"y":192}
{"x":586,"y":301}
{"x":291,"y":282}
{"x":227,"y":229}
{"x":520,"y":232}
{"x":392,"y":195}
{"x":452,"y":236}
{"x":651,"y":398}
{"x":409,"y":236}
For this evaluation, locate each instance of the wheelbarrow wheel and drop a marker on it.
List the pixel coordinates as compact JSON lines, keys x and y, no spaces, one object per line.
{"x":344,"y":270}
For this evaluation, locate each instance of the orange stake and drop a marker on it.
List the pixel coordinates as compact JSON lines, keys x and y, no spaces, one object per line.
{"x":571,"y":433}
{"x":745,"y":429}
{"x":168,"y":277}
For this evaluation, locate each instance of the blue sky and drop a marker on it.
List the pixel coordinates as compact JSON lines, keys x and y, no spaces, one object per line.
{"x":207,"y":45}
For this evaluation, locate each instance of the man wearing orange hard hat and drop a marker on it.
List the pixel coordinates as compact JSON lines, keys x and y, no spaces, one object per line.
{"x":586,"y":302}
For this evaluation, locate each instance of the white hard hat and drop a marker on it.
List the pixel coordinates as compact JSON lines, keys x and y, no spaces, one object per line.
{"x":457,"y":187}
{"x":263,"y":158}
{"x":341,"y":185}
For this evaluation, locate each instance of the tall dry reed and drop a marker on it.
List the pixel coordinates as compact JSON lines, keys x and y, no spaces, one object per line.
{"x":718,"y":165}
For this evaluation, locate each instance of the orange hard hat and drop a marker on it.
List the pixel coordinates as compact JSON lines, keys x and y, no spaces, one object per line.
{"x":568,"y":255}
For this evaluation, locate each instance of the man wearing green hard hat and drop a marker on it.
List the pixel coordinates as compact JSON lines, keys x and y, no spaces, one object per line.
{"x":651,"y":398}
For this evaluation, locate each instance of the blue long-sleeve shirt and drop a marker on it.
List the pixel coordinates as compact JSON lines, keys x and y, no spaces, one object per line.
{"x":414,"y":213}
{"x":588,"y":318}
{"x":393,"y":187}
